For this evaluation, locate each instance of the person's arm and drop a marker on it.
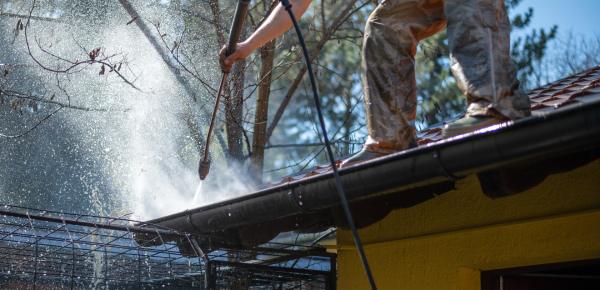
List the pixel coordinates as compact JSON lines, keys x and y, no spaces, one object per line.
{"x":274,"y":26}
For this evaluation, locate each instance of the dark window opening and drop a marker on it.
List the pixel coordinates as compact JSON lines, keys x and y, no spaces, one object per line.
{"x":580,"y":275}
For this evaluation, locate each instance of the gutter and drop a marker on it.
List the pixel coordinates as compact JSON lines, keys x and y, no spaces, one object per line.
{"x":567,"y":130}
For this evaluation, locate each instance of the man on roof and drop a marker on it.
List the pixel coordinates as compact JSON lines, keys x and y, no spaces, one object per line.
{"x":479,"y":41}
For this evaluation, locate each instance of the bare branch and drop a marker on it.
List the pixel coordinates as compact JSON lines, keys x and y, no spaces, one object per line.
{"x":96,"y":56}
{"x":52,"y":101}
{"x":174,"y":53}
{"x":21,"y":16}
{"x":345,"y":13}
{"x":23,"y":134}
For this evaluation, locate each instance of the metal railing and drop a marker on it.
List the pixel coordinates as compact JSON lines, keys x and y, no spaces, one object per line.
{"x":51,"y":250}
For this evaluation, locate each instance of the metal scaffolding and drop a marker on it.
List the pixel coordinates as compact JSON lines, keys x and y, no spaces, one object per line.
{"x":51,"y":250}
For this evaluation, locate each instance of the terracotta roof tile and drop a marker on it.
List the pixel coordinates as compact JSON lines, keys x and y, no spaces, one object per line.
{"x":576,"y":89}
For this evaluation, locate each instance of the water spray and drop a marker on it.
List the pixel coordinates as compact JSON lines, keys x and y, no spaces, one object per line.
{"x":234,"y":35}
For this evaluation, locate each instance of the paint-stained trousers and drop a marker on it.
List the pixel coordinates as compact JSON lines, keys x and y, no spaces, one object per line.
{"x":478,"y":35}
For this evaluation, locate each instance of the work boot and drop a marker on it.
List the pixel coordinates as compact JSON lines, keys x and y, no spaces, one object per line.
{"x":469,"y":124}
{"x":365,"y":154}
{"x":361,"y":156}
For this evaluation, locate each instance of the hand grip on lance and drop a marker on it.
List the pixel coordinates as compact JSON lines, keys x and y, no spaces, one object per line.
{"x":237,"y":27}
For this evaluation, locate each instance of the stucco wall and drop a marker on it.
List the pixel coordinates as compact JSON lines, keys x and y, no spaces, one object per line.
{"x":442,"y":243}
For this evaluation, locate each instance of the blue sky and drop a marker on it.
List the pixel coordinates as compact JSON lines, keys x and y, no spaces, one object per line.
{"x":582,"y":17}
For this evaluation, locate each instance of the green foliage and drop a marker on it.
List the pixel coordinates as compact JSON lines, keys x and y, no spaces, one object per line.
{"x":438,"y":96}
{"x":530,"y":49}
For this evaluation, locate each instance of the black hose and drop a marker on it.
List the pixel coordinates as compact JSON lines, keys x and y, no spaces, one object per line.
{"x":338,"y":182}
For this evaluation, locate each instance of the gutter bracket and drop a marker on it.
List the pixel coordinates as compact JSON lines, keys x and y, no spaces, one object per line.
{"x":191,"y":222}
{"x":452,"y":176}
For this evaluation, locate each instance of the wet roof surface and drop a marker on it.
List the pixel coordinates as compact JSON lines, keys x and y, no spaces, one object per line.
{"x":577,"y":89}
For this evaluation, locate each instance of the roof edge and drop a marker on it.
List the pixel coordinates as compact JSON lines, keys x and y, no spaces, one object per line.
{"x":562,"y":131}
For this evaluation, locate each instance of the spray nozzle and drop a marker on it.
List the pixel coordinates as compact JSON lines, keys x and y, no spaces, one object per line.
{"x":203,"y":169}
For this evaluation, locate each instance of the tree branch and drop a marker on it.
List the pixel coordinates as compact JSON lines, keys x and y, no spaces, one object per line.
{"x":94,"y":57}
{"x":345,"y":13}
{"x":23,"y":134}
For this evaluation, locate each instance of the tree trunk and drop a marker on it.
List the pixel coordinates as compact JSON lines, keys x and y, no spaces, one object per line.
{"x":234,"y":105}
{"x":234,"y":98}
{"x":267,"y":57}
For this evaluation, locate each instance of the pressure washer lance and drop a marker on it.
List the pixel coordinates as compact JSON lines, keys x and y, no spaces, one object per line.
{"x":241,"y":12}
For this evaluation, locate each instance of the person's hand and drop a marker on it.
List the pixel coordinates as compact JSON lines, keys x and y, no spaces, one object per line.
{"x":242,"y":51}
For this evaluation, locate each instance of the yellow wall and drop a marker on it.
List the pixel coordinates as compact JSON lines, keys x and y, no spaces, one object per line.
{"x":443,"y":243}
